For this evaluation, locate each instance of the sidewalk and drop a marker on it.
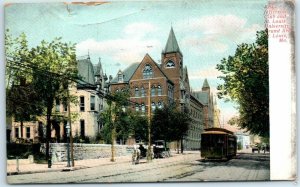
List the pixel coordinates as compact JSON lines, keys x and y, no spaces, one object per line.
{"x":62,"y":166}
{"x":26,"y":168}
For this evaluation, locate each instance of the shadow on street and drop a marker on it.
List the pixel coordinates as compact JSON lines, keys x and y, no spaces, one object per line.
{"x":242,"y":160}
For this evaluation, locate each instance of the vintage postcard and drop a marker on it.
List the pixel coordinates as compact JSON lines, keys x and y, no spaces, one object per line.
{"x":150,"y":91}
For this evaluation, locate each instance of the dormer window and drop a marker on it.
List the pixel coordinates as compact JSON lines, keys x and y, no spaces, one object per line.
{"x":147,"y":72}
{"x":170,"y":64}
{"x":120,"y":76}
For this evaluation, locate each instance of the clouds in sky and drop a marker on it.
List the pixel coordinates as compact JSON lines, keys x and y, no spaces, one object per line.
{"x":215,"y":33}
{"x":139,"y":30}
{"x":209,"y":73}
{"x":205,"y":39}
{"x":128,"y":48}
{"x":206,"y":35}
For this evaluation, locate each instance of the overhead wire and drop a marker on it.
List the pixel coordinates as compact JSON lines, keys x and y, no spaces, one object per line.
{"x":25,"y":68}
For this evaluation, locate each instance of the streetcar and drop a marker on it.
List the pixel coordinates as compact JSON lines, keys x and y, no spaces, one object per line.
{"x":218,"y":143}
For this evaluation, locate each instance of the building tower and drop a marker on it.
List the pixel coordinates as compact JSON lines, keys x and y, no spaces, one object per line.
{"x":99,"y":77}
{"x":205,"y":86}
{"x":209,"y":110}
{"x":172,"y":66}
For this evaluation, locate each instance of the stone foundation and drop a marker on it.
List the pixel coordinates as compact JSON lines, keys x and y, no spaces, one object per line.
{"x":58,"y":151}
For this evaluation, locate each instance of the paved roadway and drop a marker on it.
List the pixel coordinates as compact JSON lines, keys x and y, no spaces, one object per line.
{"x":187,"y":167}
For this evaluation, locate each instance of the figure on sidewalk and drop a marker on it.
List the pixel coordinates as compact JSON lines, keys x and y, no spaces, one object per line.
{"x":136,"y":155}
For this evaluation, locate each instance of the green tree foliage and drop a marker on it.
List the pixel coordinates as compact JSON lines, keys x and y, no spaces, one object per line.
{"x":105,"y":133}
{"x":169,"y":124}
{"x":18,"y":58}
{"x":126,"y":122}
{"x":49,"y":67}
{"x":22,"y":102}
{"x":19,"y":104}
{"x":55,"y":65}
{"x":140,"y":126}
{"x":246,"y":82}
{"x":161,"y":124}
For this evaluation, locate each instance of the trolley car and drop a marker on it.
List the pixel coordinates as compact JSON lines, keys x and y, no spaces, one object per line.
{"x":218,"y":143}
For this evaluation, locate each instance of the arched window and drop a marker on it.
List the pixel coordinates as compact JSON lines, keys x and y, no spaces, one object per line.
{"x":137,"y":108}
{"x":159,"y":91}
{"x":143,"y":107}
{"x":147,"y":72}
{"x":153,"y":106}
{"x":160,"y":105}
{"x":170,"y":64}
{"x":137,"y":93}
{"x":153,"y":91}
{"x":142,"y":92}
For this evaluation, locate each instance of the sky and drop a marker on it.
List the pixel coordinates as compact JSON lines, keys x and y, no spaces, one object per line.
{"x":121,"y":33}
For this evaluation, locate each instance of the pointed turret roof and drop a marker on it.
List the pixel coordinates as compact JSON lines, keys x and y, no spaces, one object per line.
{"x":98,"y":68}
{"x":205,"y":84}
{"x":85,"y":72}
{"x":172,"y":45}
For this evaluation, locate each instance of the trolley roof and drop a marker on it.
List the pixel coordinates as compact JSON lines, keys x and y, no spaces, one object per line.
{"x":216,"y":130}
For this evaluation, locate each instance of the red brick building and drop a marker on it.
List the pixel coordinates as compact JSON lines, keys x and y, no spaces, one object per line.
{"x":166,"y":83}
{"x":168,"y":80}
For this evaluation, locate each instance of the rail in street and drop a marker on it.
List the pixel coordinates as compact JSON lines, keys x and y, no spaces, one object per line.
{"x":178,"y":168}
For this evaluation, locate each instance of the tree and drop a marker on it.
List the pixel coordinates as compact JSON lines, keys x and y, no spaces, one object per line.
{"x":22,"y":102}
{"x":169,"y":124}
{"x":54,"y":65}
{"x":49,"y":68}
{"x":246,"y":82}
{"x":126,"y":122}
{"x":113,"y":118}
{"x":139,"y":126}
{"x":161,"y":124}
{"x":180,"y":126}
{"x":105,"y":132}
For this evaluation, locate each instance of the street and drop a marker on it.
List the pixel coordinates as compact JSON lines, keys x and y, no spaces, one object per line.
{"x":187,"y":167}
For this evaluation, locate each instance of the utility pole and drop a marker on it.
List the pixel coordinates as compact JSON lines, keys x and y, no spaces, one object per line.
{"x":113,"y":133}
{"x":149,"y":158}
{"x":69,"y":119}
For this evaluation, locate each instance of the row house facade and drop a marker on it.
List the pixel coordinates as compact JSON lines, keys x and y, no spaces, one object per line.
{"x":85,"y":112}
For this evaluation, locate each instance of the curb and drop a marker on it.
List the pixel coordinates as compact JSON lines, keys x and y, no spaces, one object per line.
{"x":64,"y":169}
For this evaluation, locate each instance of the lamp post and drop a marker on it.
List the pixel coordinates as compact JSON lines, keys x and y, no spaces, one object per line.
{"x":68,"y":144}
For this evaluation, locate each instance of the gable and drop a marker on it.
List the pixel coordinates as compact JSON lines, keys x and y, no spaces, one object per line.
{"x":127,"y":73}
{"x":148,"y":68}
